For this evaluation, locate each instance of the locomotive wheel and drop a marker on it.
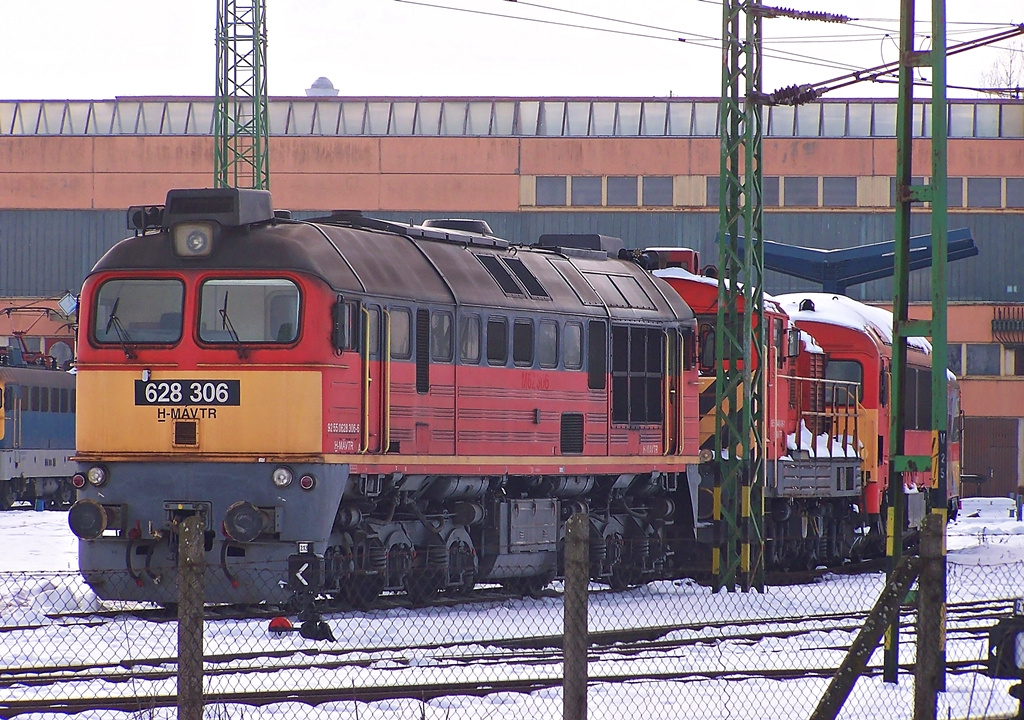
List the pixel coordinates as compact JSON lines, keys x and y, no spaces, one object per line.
{"x":361,"y":592}
{"x":625,"y":576}
{"x":7,"y":496}
{"x":528,"y":586}
{"x":421,"y":586}
{"x":465,"y":587}
{"x":64,"y":496}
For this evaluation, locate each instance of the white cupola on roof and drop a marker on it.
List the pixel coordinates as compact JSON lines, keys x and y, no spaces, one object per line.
{"x":321,"y":87}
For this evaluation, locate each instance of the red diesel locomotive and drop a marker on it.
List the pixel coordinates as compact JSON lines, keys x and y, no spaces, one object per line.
{"x":355,"y":406}
{"x":390,"y":407}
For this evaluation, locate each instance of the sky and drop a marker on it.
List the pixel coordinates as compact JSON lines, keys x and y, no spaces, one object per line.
{"x":394,"y":646}
{"x":69,"y":49}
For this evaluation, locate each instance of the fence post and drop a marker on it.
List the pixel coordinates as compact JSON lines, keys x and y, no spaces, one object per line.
{"x":575,"y":639}
{"x":930,"y":667}
{"x":190,"y":618}
{"x":881,"y":616}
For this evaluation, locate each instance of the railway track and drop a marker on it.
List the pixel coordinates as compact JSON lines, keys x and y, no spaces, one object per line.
{"x":388,"y":672}
{"x":430,"y":691}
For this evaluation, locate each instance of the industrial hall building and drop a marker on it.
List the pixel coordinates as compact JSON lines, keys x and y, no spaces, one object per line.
{"x":642,"y":169}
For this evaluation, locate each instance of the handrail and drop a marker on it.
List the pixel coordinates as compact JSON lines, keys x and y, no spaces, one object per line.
{"x":385,"y":361}
{"x":364,"y":355}
{"x":834,"y":416}
{"x":668,"y":421}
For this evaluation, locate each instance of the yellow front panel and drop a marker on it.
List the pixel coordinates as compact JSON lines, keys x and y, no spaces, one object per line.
{"x":278,"y":412}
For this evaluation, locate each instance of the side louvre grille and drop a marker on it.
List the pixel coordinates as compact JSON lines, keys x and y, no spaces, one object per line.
{"x":572,"y":433}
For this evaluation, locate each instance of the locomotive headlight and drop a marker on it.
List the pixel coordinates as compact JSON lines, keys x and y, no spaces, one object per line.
{"x":193,"y":239}
{"x":282,"y":477}
{"x":97,"y":475}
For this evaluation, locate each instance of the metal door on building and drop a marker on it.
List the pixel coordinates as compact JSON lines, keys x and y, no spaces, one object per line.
{"x":991,"y":453}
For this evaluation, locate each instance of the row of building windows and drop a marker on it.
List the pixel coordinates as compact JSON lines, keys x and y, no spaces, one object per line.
{"x":985,"y":359}
{"x":39,"y":399}
{"x":661,"y":191}
{"x":502,"y":117}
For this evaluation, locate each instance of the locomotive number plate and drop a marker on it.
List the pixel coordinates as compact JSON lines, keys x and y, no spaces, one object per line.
{"x":187,"y":392}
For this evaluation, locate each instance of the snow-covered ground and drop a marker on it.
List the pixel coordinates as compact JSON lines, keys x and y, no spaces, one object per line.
{"x":986,"y":561}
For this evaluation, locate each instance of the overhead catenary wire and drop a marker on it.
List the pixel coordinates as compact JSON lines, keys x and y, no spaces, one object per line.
{"x":692,"y":39}
{"x":790,"y":94}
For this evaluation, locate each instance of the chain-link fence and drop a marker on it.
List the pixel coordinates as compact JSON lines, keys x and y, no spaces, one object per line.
{"x":671,"y":648}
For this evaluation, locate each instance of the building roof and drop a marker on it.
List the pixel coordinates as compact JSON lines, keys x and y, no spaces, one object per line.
{"x":500,"y":117}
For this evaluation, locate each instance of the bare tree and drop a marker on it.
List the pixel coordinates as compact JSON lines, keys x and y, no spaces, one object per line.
{"x":1006,"y":75}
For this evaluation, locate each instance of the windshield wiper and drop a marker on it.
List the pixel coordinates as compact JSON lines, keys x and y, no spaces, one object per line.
{"x":122,"y":335}
{"x":226,"y":323}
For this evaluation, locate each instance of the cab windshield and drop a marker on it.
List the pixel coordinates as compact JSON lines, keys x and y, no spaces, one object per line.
{"x":132,"y":311}
{"x":249,"y":311}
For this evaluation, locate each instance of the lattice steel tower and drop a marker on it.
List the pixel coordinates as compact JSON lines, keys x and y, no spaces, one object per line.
{"x":739,"y":341}
{"x":240,"y":119}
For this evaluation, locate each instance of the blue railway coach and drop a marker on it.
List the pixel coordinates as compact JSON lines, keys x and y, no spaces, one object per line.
{"x":37,"y":433}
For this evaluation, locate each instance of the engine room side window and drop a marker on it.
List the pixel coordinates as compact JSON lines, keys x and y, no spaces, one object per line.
{"x":252,"y":310}
{"x":522,"y":343}
{"x":401,"y":325}
{"x":441,"y":336}
{"x":547,"y":344}
{"x":469,"y":339}
{"x":138,"y":311}
{"x":638,"y":357}
{"x":497,"y":341}
{"x":572,"y":352}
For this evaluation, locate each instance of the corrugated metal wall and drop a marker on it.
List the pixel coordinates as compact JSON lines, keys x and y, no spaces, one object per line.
{"x":991,"y":451}
{"x":45,"y":252}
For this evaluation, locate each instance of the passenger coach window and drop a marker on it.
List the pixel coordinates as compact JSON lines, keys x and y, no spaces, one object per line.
{"x":138,"y":311}
{"x":497,"y":341}
{"x":249,"y":311}
{"x":401,"y":324}
{"x":547,"y":344}
{"x":469,"y":339}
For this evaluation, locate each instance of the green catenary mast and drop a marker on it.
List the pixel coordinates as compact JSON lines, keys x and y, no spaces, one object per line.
{"x":240,"y":119}
{"x":738,"y":553}
{"x":903,"y":327}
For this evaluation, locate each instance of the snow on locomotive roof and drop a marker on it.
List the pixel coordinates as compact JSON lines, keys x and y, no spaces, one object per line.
{"x":683,"y":274}
{"x":810,"y":344}
{"x":846,"y":312}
